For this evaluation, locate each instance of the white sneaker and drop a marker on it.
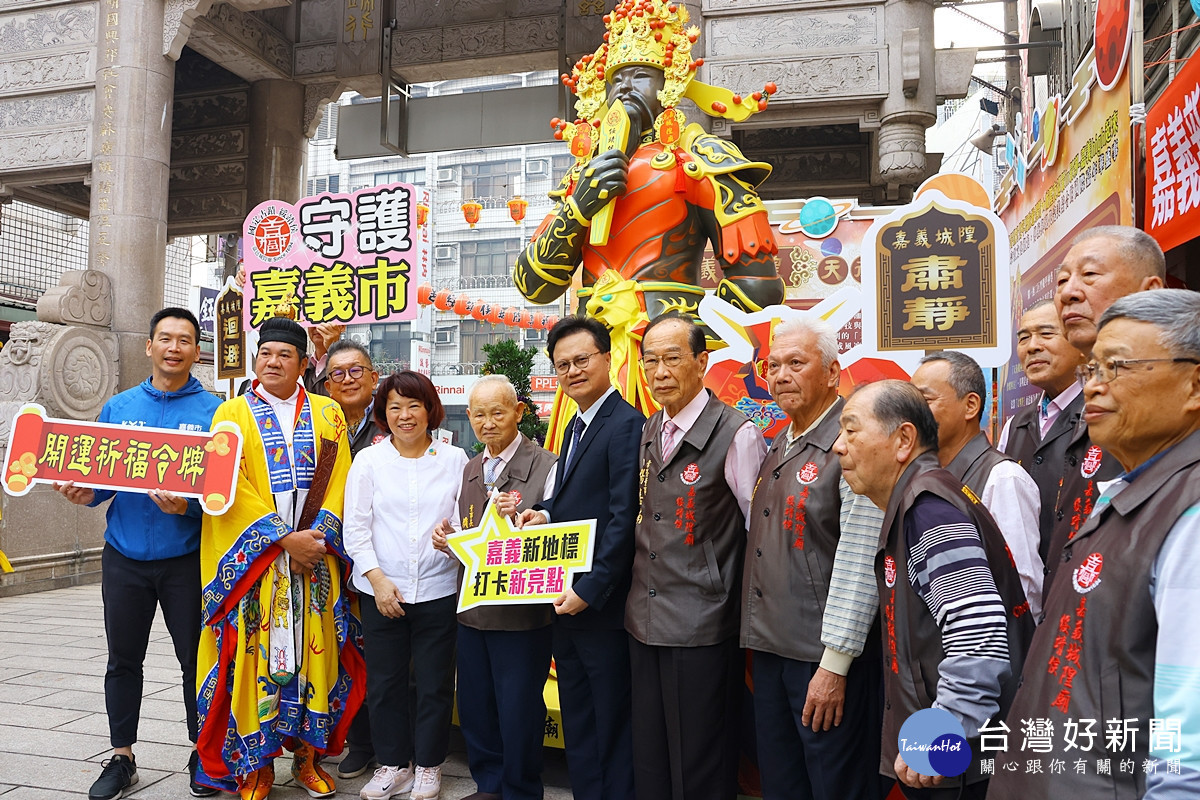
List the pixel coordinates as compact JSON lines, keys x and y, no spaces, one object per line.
{"x":428,"y":783}
{"x":388,"y":782}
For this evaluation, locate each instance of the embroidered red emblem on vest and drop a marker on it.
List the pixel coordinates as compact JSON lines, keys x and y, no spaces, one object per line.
{"x":379,"y":437}
{"x":807,"y":473}
{"x":516,"y":497}
{"x":1091,"y":461}
{"x":690,"y":474}
{"x":889,"y":571}
{"x":1087,"y":575}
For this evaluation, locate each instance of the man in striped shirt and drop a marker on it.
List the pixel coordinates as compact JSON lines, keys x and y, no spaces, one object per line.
{"x":956,"y":622}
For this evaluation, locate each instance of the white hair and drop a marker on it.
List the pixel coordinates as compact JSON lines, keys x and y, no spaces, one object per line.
{"x":500,"y":381}
{"x":824,"y":333}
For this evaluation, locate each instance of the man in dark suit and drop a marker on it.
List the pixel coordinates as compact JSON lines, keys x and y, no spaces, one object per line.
{"x":596,"y":478}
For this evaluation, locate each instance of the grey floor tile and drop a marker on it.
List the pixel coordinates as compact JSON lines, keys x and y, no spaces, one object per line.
{"x":70,"y":699}
{"x":25,"y":716}
{"x":58,"y":681}
{"x":34,"y":742}
{"x":58,"y":774}
{"x":15,"y":693}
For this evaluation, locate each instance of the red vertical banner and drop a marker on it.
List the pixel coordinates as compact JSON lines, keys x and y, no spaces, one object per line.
{"x":1173,"y":160}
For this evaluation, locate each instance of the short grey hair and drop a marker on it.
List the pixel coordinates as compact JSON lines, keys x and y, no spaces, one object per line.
{"x":342,"y":345}
{"x":966,"y":375}
{"x":1045,"y":301}
{"x":501,"y":381}
{"x":1137,"y":248}
{"x":895,"y":402}
{"x":1175,"y":312}
{"x":824,"y":333}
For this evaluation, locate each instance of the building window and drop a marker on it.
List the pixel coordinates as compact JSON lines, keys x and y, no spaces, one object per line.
{"x":474,"y":335}
{"x":559,"y":165}
{"x":490,"y":179}
{"x":328,"y":127}
{"x":413,"y":175}
{"x":488,"y":257}
{"x":328,"y":183}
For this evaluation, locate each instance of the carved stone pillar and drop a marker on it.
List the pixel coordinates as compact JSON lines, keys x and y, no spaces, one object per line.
{"x":130,"y":168}
{"x":277,"y":143}
{"x":911,"y":104}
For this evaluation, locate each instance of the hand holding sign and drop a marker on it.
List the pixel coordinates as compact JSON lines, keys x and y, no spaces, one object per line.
{"x":534,"y":564}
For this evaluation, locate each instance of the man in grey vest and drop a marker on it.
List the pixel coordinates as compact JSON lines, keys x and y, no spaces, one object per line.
{"x":698,"y":462}
{"x":808,"y":591}
{"x":1104,"y":264}
{"x":1047,"y":437}
{"x":503,"y":651}
{"x":1113,"y":671}
{"x":953,"y":385}
{"x":956,"y":622}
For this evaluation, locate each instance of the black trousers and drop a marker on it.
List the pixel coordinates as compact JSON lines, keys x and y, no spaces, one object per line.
{"x":795,"y":762}
{"x":132,"y":590}
{"x":593,"y":685}
{"x":501,"y":711}
{"x":424,"y":636}
{"x":686,"y":705}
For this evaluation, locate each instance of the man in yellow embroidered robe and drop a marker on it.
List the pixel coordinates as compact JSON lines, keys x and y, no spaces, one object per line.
{"x":280,"y":661}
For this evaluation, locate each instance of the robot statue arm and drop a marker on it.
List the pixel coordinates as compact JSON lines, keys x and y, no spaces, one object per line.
{"x":543,"y":271}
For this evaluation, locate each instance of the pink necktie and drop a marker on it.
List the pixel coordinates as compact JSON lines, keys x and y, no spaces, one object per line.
{"x":668,"y":438}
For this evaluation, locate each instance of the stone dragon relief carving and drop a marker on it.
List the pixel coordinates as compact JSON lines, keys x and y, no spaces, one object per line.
{"x":46,"y":72}
{"x":71,"y":146}
{"x":46,"y":112}
{"x":178,"y":17}
{"x":805,"y":78}
{"x":39,"y":31}
{"x":208,"y":144}
{"x":793,"y":32}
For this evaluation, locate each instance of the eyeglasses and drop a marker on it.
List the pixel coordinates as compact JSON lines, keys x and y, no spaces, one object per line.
{"x":671,"y":360}
{"x":1108,"y":371}
{"x":340,"y":375}
{"x":580,"y":362}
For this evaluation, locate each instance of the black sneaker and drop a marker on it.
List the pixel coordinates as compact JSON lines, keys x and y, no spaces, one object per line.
{"x":117,"y":775}
{"x":197,"y":789}
{"x":355,"y":763}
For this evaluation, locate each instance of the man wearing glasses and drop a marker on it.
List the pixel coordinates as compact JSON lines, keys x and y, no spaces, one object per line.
{"x":1117,"y":656}
{"x":350,"y":381}
{"x":596,"y":478}
{"x":1103,"y":265}
{"x":699,"y":462}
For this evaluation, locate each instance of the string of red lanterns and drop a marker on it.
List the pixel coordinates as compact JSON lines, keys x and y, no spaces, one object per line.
{"x":481,"y":310}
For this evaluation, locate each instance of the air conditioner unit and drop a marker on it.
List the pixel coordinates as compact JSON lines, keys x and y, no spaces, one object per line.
{"x":445,"y":252}
{"x":443,"y":336}
{"x":447,"y":174}
{"x":538,"y":166}
{"x":532,"y":335}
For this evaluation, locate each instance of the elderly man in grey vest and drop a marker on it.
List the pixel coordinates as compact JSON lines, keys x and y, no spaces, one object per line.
{"x":956,"y":623}
{"x":808,"y":591}
{"x":1111,"y":677}
{"x":953,"y":385}
{"x":698,"y":462}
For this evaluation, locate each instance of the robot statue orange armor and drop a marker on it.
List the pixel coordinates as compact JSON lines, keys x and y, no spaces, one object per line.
{"x":669,"y":190}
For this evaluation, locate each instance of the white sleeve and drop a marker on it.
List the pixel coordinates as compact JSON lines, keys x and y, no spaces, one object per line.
{"x":1014,"y":501}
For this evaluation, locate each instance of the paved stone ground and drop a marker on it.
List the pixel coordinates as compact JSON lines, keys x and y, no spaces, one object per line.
{"x":54,"y":733}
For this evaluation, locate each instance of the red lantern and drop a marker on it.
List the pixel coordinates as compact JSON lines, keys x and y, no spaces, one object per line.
{"x":493,"y":316}
{"x":471,"y":211}
{"x":425,"y":294}
{"x":480,"y":311}
{"x":551,"y":321}
{"x":516,"y":208}
{"x":462,"y":305}
{"x":526,"y":320}
{"x":536,"y":323}
{"x":443,"y":300}
{"x":422,"y":214}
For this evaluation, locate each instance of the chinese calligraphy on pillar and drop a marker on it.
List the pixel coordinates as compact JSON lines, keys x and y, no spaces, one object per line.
{"x":334,"y":258}
{"x":937,"y":281}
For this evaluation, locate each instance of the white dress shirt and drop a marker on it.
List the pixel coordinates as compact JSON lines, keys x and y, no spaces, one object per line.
{"x":287,"y":505}
{"x":1047,"y":413}
{"x":392,"y":506}
{"x":1013,"y":500}
{"x":746,"y":452}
